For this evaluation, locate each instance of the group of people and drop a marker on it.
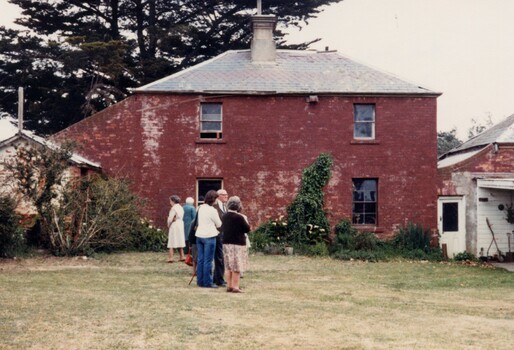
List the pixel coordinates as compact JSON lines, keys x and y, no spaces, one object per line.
{"x":215,"y":232}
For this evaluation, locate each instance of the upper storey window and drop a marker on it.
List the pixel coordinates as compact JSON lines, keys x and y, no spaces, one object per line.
{"x":364,"y":121}
{"x":211,"y":119}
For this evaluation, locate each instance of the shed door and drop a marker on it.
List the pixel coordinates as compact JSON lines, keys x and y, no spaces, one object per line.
{"x":452,"y":224}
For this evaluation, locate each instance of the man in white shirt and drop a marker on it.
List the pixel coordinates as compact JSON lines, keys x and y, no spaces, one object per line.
{"x":219,"y":265}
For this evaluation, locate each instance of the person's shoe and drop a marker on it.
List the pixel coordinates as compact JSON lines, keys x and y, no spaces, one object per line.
{"x":212,"y":286}
{"x":224,"y":284}
{"x":237,"y":290}
{"x":229,"y":290}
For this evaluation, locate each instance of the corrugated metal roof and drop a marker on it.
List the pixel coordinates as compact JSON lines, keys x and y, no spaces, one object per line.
{"x":456,"y":158}
{"x":502,"y":132}
{"x":293,"y":72}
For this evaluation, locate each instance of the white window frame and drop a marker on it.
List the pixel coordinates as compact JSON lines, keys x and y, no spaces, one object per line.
{"x":364,"y":202}
{"x":217,"y":133}
{"x":372,"y":122}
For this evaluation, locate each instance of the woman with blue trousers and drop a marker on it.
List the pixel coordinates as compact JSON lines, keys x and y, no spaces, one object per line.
{"x":208,"y":222}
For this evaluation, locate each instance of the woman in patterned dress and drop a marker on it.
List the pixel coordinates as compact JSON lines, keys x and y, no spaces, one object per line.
{"x":234,"y":227}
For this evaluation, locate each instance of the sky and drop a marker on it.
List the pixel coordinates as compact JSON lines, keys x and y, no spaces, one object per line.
{"x":461,"y":48}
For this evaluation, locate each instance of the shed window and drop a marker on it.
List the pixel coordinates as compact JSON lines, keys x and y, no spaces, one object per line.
{"x":211,"y":121}
{"x":364,"y":121}
{"x":364,"y":209}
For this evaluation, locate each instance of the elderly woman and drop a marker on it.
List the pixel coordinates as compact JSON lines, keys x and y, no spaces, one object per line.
{"x":176,"y":228}
{"x":206,"y":232}
{"x":189,"y":216}
{"x":234,"y":244}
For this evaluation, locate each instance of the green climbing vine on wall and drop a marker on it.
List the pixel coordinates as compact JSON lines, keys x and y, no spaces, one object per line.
{"x":307,"y":220}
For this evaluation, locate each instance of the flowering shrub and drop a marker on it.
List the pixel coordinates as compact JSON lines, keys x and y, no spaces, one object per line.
{"x":272,"y":233}
{"x":316,"y":234}
{"x":147,"y":237}
{"x":278,"y":231}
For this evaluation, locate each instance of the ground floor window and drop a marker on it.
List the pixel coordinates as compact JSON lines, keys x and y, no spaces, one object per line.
{"x":204,"y":186}
{"x":364,"y":208}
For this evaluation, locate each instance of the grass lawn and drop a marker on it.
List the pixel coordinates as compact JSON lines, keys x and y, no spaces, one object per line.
{"x":137,"y":301}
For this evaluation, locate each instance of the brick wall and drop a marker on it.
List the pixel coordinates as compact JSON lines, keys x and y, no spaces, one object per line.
{"x":267,"y":142}
{"x":486,"y":161}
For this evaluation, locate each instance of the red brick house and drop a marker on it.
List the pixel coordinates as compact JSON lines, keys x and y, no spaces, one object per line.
{"x":252,"y":120}
{"x":476,"y":186}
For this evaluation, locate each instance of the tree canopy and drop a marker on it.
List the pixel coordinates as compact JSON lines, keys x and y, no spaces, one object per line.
{"x":446,"y":141}
{"x":78,"y":57}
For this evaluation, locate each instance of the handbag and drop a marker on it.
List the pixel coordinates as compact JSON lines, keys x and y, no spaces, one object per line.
{"x":189,"y":259}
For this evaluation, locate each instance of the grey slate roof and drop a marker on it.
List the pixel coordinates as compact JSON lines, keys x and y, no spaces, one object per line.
{"x":29,"y":137}
{"x":502,"y":132}
{"x":294,"y":72}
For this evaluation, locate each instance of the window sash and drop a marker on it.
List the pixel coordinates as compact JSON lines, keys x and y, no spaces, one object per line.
{"x":364,"y":121}
{"x":365,"y":202}
{"x":210,"y":127}
{"x":211,"y":118}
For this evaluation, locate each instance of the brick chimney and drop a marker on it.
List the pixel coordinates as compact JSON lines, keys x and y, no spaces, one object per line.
{"x":263,"y":46}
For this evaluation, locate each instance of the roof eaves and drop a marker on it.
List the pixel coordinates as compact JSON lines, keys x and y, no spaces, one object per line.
{"x":306,"y":92}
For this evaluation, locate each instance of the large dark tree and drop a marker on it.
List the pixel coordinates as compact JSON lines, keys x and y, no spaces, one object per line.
{"x":82,"y":56}
{"x":446,"y":141}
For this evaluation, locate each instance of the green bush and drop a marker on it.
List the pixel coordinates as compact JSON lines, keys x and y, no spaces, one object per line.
{"x":146,"y":237}
{"x":272,"y":233}
{"x":465,"y":256}
{"x":98,"y":215}
{"x":366,"y":241}
{"x":12,"y":235}
{"x":411,"y":242}
{"x":259,"y":239}
{"x":318,"y":249}
{"x":412,"y":237}
{"x":345,"y":235}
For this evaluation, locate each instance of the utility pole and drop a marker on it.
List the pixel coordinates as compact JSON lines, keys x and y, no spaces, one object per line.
{"x":20,"y":110}
{"x":259,"y":7}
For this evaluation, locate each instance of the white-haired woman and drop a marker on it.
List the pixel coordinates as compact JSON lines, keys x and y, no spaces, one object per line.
{"x":176,"y":229}
{"x":234,"y":227}
{"x":189,"y":216}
